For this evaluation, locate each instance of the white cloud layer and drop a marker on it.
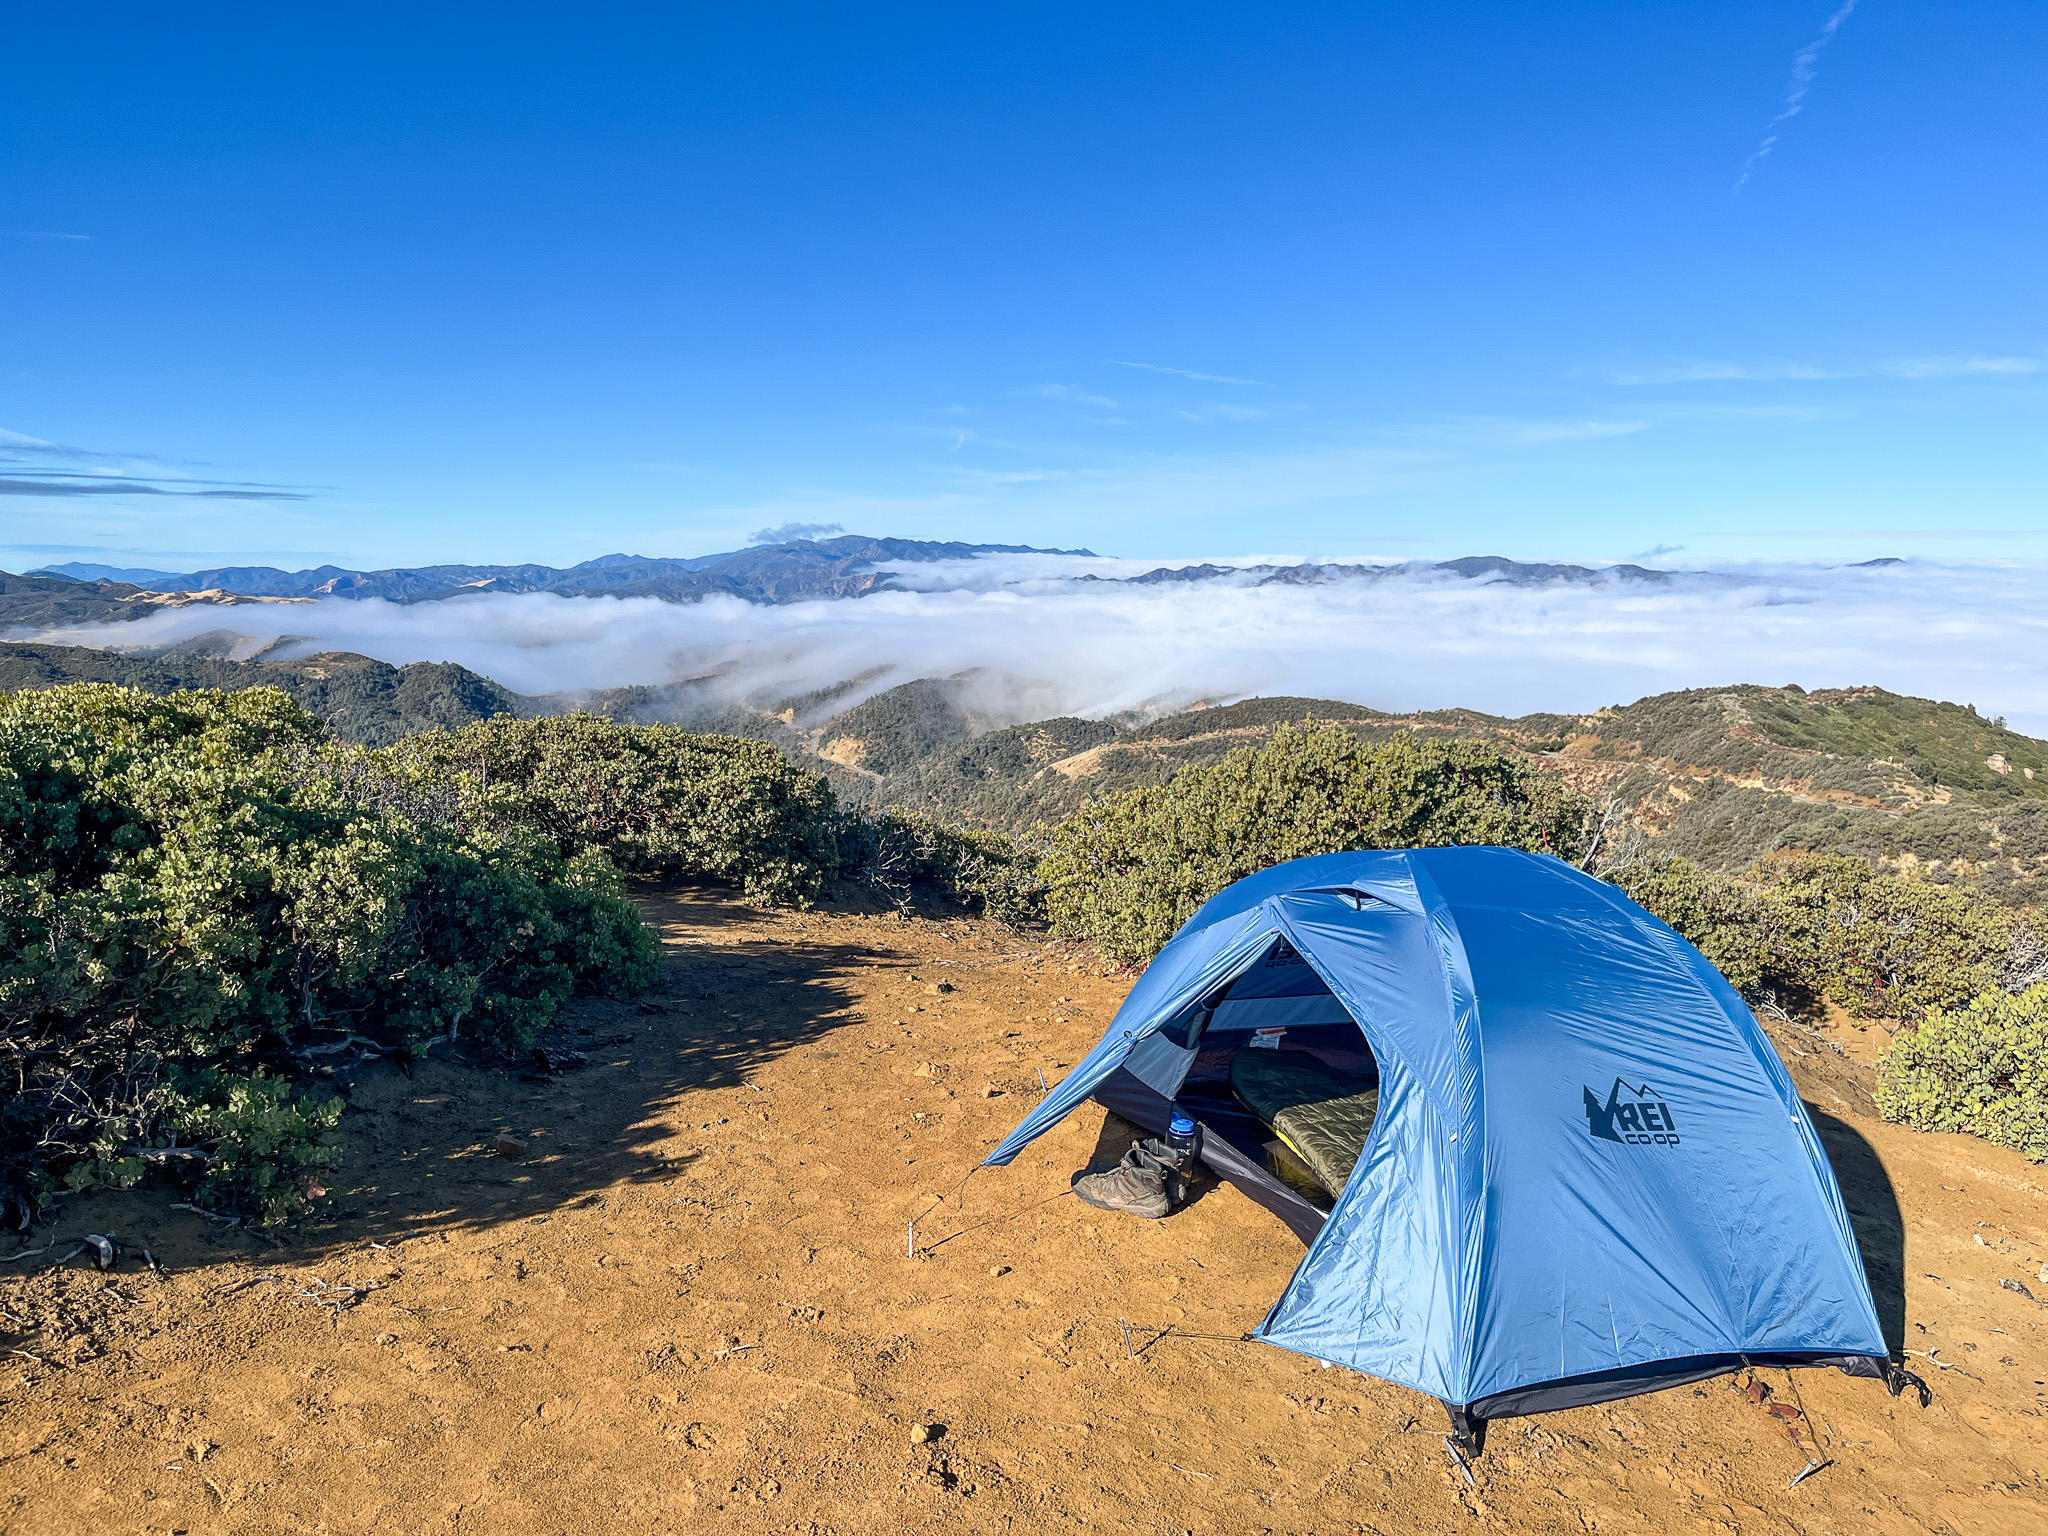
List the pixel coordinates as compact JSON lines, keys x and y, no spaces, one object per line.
{"x":1927,"y":366}
{"x":1046,"y":643}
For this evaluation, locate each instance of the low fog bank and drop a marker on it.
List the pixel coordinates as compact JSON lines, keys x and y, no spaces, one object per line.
{"x":1046,"y":644}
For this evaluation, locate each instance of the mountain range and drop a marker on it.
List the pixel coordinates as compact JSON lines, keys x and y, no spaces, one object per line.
{"x":1721,"y":774}
{"x":787,"y":572}
{"x":797,"y":570}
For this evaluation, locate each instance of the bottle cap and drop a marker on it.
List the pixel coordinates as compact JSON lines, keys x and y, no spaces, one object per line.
{"x":1180,"y":1125}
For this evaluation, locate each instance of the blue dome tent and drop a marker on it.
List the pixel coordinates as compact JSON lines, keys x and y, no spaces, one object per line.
{"x":1590,"y":1174}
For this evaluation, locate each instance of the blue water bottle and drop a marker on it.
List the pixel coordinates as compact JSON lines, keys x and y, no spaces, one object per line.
{"x":1180,"y":1136}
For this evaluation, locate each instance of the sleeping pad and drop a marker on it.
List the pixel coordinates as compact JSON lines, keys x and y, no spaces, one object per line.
{"x":1324,"y":1116}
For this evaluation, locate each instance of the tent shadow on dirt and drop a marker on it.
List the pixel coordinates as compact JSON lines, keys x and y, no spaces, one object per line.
{"x":1874,"y":1212}
{"x":419,"y":1145}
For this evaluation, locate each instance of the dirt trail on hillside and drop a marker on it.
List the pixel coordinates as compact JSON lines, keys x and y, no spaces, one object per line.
{"x":686,"y":1306}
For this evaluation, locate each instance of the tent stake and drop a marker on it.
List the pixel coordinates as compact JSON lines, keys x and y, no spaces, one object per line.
{"x":1808,"y":1470}
{"x":1458,"y":1461}
{"x":1127,"y":1338}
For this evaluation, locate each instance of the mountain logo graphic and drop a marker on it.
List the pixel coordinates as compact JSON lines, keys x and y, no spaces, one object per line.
{"x":1636,"y":1116}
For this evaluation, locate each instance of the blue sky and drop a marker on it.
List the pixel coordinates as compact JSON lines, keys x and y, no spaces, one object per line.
{"x":498,"y":283}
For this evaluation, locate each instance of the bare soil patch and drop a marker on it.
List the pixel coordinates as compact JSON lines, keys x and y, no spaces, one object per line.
{"x":669,"y":1291}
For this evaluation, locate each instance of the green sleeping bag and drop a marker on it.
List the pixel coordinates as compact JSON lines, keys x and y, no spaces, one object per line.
{"x":1324,"y":1116}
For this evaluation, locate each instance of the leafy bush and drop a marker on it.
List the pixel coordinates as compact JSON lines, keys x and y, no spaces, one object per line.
{"x":1981,"y":1068}
{"x":1802,"y":928}
{"x":1888,"y":947}
{"x":270,"y":1144}
{"x":894,"y":850}
{"x":1963,"y":979}
{"x":1128,"y":870}
{"x":653,"y":798}
{"x":197,"y":890}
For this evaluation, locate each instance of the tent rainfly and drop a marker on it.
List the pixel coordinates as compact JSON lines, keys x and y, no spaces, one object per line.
{"x":1589,"y":1176}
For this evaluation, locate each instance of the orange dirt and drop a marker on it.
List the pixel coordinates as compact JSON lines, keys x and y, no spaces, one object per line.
{"x":687,"y":1307}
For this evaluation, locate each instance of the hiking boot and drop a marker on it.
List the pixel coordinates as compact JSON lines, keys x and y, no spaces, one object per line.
{"x":1137,"y":1191}
{"x":1145,"y":1184}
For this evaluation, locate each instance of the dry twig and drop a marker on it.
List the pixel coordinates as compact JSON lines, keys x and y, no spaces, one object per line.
{"x":339,"y":1297}
{"x":242,"y":1285}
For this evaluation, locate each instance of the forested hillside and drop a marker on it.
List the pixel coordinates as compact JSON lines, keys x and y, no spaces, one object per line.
{"x":1720,"y":775}
{"x":1723,"y":776}
{"x":365,"y":702}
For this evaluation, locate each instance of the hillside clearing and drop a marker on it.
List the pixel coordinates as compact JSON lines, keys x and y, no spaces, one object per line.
{"x":683,"y":1300}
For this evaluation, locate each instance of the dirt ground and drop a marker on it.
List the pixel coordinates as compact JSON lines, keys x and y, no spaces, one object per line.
{"x":686,"y":1305}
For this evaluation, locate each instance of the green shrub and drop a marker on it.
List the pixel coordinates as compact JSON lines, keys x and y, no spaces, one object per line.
{"x":1981,"y":1068}
{"x":894,"y":850}
{"x":1888,"y":947}
{"x":653,"y":798}
{"x":253,"y":1142}
{"x":269,"y":1145}
{"x":1801,"y":928}
{"x":1958,"y":974}
{"x":1128,"y":870}
{"x":196,"y":885}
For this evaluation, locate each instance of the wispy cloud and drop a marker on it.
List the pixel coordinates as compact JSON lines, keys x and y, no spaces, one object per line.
{"x":1575,"y":431}
{"x":52,"y":234}
{"x":1009,"y":476}
{"x":1802,"y":82}
{"x":60,"y":483}
{"x":1227,"y":412}
{"x":1071,"y":392}
{"x":1468,"y":438}
{"x":29,"y":466}
{"x":1953,"y":366}
{"x":789,"y":531}
{"x":956,"y":433}
{"x":25,"y":483}
{"x":1189,"y":373}
{"x":15,"y":446}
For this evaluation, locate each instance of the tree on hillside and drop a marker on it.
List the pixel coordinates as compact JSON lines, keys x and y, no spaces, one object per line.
{"x":1128,"y":870}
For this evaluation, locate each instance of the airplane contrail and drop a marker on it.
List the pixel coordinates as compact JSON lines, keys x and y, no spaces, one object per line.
{"x":1802,"y":81}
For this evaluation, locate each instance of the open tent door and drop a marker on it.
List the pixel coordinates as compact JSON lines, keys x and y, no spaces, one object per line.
{"x":1278,"y":1006}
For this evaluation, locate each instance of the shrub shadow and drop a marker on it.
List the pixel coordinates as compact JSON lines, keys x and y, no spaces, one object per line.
{"x":421,"y":1144}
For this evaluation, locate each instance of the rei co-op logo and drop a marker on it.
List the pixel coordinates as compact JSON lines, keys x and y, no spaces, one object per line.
{"x":1642,"y":1119}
